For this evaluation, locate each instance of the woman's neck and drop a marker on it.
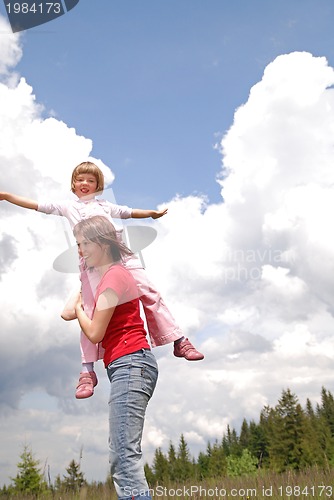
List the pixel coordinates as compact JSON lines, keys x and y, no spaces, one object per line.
{"x":103,"y":268}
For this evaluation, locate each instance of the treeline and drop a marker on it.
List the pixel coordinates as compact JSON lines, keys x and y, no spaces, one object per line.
{"x":286,"y":437}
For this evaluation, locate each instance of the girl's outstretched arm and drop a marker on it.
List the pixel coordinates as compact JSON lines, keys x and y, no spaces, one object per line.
{"x":20,"y":201}
{"x":138,"y":213}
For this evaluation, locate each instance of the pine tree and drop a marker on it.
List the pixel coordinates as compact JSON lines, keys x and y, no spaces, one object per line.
{"x":258,"y":440}
{"x":230,"y":443}
{"x":58,"y":485}
{"x":217,"y":461}
{"x":29,"y":478}
{"x":160,"y":467}
{"x":322,"y":418}
{"x":172,"y":463}
{"x":245,"y":435}
{"x":203,"y":463}
{"x":149,"y":474}
{"x":286,"y":424}
{"x":320,"y":442}
{"x":327,"y":409}
{"x":184,"y":462}
{"x":74,"y":479}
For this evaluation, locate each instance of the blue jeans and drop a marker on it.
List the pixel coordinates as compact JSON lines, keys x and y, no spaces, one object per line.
{"x":132,"y":381}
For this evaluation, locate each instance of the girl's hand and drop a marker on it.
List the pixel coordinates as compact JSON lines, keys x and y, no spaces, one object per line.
{"x":69,"y":312}
{"x":78,"y":305}
{"x":159,"y":213}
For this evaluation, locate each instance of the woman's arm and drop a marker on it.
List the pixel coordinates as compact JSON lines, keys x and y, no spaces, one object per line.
{"x":20,"y":201}
{"x":138,"y":213}
{"x":95,"y":328}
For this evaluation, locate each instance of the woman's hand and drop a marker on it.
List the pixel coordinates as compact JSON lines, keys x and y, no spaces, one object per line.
{"x":95,"y":328}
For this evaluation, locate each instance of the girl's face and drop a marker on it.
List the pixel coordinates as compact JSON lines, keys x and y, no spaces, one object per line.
{"x":85,"y":186}
{"x":95,"y":255}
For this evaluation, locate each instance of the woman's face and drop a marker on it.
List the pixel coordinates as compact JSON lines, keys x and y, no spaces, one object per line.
{"x":94,"y":254}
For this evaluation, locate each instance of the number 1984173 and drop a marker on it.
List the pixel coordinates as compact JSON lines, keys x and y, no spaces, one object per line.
{"x":34,"y":8}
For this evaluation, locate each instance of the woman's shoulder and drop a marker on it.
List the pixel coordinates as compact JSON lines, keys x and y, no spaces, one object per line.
{"x":118,"y":271}
{"x":119,"y":279}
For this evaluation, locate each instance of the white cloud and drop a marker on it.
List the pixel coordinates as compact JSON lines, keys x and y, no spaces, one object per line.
{"x":249,"y":279}
{"x":10,"y":48}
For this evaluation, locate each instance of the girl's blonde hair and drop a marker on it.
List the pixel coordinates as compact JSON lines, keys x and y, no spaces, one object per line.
{"x":100,"y":230}
{"x":87,"y":167}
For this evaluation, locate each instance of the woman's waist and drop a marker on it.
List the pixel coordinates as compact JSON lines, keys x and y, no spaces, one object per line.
{"x":113,"y":352}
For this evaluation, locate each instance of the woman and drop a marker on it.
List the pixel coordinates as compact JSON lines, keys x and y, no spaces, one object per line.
{"x":131,"y":367}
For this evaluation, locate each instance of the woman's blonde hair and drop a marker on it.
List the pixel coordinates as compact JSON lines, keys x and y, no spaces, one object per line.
{"x":87,"y":167}
{"x":100,"y":230}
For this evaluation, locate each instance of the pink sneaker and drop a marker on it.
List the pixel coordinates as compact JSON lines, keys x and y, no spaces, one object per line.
{"x":185,"y":349}
{"x":86,"y":384}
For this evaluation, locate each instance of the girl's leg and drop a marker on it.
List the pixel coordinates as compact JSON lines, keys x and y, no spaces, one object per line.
{"x":87,"y":379}
{"x":161,"y":325}
{"x":132,"y":382}
{"x":89,"y":352}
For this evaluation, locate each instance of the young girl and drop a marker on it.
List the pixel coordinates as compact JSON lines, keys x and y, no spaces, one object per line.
{"x":88,"y":181}
{"x":131,"y":367}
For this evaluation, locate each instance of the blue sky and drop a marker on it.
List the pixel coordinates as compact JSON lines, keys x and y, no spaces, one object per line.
{"x":156,"y":84}
{"x":166,"y":94}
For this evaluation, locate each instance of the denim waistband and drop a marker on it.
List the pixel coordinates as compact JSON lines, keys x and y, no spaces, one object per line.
{"x":143,"y":350}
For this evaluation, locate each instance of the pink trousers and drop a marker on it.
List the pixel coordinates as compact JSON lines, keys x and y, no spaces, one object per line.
{"x":161,"y":325}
